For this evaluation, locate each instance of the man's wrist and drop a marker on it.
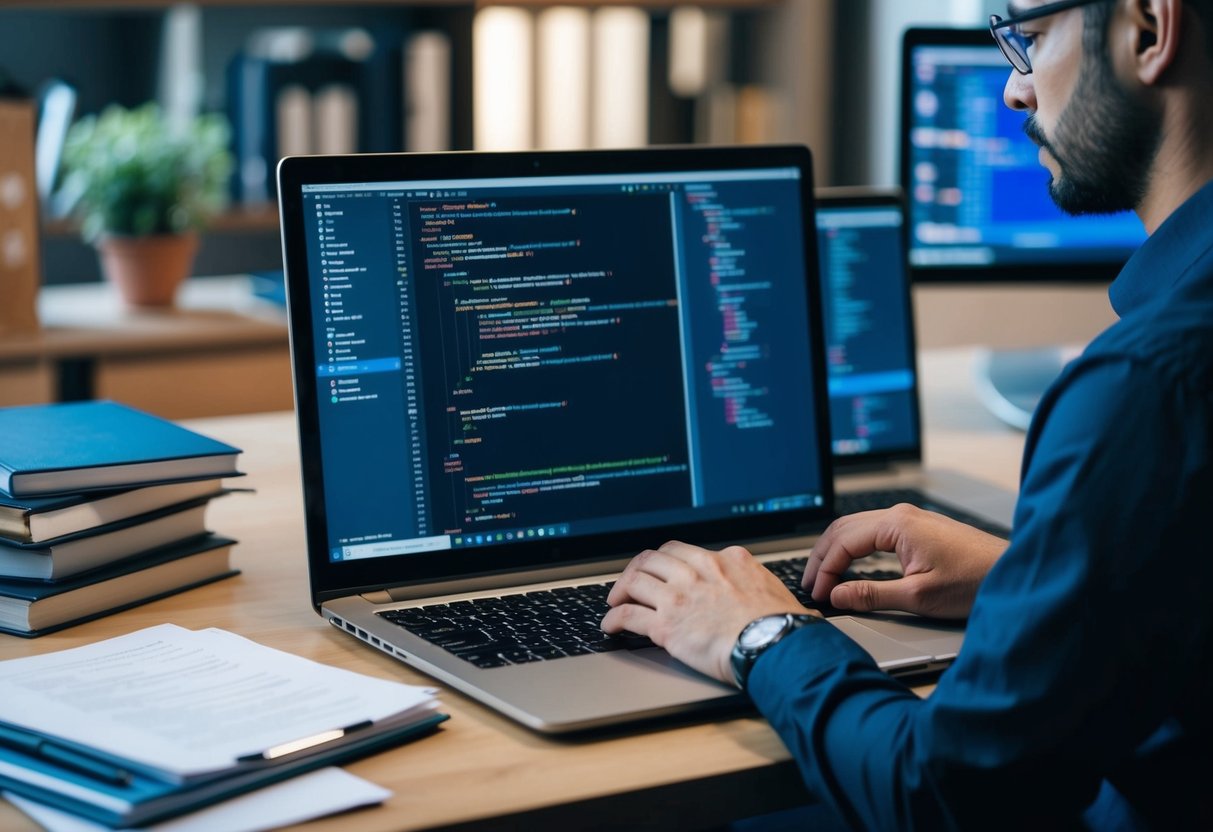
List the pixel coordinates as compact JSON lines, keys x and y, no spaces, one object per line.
{"x":760,"y":635}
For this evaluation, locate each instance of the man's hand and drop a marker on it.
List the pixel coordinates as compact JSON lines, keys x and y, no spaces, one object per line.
{"x":944,"y":562}
{"x":695,"y":602}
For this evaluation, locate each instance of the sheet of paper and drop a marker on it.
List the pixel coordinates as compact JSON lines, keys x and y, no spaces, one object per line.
{"x":188,"y":702}
{"x":299,"y":799}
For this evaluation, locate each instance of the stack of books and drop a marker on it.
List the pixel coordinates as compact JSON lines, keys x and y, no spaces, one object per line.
{"x":102,"y":507}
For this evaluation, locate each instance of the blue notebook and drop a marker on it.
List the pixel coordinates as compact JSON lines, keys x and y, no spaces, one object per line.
{"x":87,"y":446}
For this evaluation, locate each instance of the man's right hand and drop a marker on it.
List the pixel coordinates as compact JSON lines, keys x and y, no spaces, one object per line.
{"x":944,"y":562}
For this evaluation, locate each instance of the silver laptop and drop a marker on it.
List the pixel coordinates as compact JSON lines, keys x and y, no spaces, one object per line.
{"x":872,"y":367}
{"x":515,"y":371}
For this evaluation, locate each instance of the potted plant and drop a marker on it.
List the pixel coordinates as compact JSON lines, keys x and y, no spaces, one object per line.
{"x":142,"y":190}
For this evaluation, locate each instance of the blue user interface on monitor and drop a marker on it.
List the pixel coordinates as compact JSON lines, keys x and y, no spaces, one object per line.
{"x":978,"y":195}
{"x":522,"y":358}
{"x":869,"y":339}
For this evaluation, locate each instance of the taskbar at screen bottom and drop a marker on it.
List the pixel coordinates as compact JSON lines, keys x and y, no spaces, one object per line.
{"x":365,"y":549}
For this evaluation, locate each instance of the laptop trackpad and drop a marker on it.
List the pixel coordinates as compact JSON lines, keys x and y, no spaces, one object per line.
{"x":887,"y":652}
{"x":941,"y":639}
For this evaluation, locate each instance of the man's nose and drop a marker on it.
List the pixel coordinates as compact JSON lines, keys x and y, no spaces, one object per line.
{"x":1020,"y":92}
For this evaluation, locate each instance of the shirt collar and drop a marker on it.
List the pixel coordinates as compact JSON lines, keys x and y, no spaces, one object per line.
{"x":1166,"y":255}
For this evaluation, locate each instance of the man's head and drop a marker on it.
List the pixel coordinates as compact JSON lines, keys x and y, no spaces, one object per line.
{"x":1092,"y":95}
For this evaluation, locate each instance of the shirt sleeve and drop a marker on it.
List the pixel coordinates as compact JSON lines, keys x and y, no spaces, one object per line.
{"x":1076,"y":650}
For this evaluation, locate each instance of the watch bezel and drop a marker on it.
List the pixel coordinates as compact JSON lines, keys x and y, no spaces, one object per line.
{"x":742,"y":657}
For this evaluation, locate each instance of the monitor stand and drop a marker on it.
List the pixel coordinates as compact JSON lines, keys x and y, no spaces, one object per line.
{"x":1010,"y":383}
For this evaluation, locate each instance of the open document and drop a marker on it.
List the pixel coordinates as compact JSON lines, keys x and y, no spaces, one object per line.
{"x":159,"y":721}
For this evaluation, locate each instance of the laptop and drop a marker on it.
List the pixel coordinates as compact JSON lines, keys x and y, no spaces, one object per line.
{"x":876,"y":429}
{"x":513,"y":372}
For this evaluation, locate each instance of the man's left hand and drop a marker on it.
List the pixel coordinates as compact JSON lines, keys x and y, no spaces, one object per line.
{"x":695,"y":602}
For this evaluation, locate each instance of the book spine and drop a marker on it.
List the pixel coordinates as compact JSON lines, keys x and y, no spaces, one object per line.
{"x":563,"y":64}
{"x":502,"y":79}
{"x":620,"y":77}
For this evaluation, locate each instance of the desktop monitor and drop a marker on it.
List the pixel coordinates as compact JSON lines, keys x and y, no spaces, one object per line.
{"x":979,"y":209}
{"x":979,"y":205}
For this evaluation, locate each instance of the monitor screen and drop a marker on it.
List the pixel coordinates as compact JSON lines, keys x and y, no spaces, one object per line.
{"x":979,"y":204}
{"x":868,"y":327}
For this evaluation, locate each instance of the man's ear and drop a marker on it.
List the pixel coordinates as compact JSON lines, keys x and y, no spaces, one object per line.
{"x":1157,"y":31}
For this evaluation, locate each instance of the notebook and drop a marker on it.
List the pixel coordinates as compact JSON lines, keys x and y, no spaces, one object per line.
{"x":513,"y":372}
{"x":872,"y":367}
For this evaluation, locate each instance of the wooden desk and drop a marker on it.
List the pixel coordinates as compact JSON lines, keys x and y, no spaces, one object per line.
{"x":481,"y":770}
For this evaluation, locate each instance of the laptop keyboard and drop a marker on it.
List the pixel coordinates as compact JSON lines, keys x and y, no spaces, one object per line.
{"x":552,"y":624}
{"x":850,"y":503}
{"x":517,"y":629}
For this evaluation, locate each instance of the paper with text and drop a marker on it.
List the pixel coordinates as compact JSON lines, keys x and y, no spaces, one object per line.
{"x":187,"y":702}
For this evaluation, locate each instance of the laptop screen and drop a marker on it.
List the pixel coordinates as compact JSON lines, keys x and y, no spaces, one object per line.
{"x":498,"y":368}
{"x":868,"y":327}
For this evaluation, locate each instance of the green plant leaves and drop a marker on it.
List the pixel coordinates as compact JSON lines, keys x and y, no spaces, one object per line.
{"x":132,"y":174}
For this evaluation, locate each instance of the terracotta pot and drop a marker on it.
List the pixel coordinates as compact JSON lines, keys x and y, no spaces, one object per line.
{"x":148,"y":270}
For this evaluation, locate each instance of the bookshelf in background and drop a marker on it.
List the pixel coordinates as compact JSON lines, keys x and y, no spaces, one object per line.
{"x":769,"y":79}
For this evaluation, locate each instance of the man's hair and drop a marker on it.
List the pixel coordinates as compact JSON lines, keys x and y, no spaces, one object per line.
{"x":1098,"y":15}
{"x":1204,"y":8}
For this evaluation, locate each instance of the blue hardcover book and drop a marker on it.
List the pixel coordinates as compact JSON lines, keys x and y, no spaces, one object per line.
{"x":88,"y":446}
{"x":42,"y":519}
{"x":35,"y":608}
{"x":83,"y":551}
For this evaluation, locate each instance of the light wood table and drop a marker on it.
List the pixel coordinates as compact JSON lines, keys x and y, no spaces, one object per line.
{"x":481,"y":770}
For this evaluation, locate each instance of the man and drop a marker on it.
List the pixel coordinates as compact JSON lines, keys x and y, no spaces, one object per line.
{"x":1084,"y":692}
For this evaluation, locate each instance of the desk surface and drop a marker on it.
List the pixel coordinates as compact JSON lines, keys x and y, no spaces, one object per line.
{"x":481,"y":766}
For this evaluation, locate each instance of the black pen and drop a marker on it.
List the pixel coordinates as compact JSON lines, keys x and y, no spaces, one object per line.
{"x":291,"y":747}
{"x":66,"y":758}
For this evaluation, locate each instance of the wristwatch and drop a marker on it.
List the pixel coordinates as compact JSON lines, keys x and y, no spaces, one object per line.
{"x":761,"y":635}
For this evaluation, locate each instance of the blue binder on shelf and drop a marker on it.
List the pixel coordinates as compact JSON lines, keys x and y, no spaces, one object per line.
{"x":366,"y":68}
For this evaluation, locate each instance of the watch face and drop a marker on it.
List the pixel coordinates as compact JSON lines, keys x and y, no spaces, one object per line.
{"x":762,"y":631}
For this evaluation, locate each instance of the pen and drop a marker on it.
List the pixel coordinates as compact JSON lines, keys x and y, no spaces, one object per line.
{"x":66,"y":758}
{"x":291,"y":747}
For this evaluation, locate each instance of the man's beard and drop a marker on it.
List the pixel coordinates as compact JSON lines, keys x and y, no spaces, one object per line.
{"x":1105,"y":144}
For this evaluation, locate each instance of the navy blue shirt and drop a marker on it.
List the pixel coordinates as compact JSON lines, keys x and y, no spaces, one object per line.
{"x":1084,"y":690}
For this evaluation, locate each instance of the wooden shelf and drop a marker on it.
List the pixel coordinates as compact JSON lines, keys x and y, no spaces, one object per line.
{"x":219,"y":351}
{"x":250,"y":218}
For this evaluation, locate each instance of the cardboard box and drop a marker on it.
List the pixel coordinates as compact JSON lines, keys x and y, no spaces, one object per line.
{"x":20,"y":269}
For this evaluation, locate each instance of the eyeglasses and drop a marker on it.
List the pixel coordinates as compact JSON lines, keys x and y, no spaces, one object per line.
{"x":1013,"y":43}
